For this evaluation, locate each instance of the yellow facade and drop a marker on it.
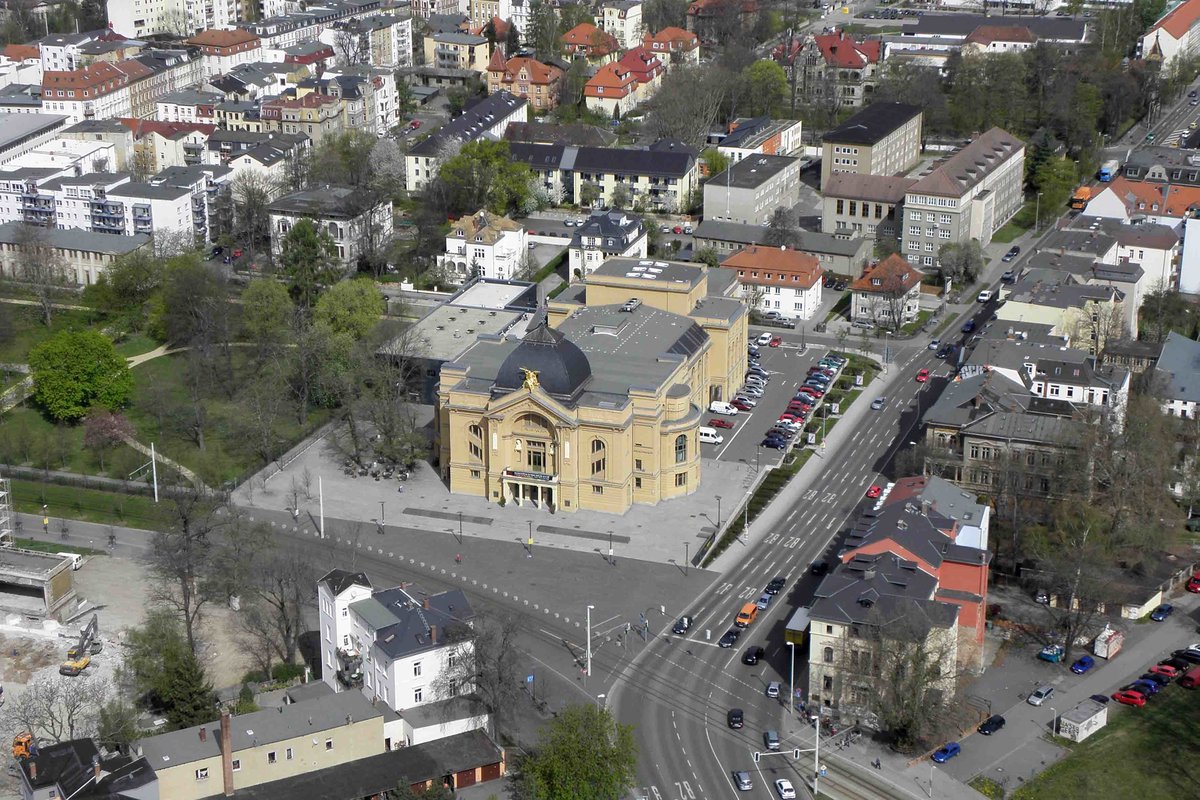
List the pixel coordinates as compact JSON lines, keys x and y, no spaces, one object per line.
{"x":599,"y":408}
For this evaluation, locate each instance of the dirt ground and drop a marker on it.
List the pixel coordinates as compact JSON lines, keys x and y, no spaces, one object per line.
{"x":21,"y":656}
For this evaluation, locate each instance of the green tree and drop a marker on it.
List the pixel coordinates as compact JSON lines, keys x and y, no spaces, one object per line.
{"x":187,"y":696}
{"x":543,"y":30}
{"x":483,"y":175}
{"x":116,"y":726}
{"x":1055,"y":181}
{"x":352,"y":307}
{"x":716,"y":161}
{"x":76,"y":370}
{"x":125,"y":288}
{"x":584,"y":754}
{"x":589,"y":193}
{"x":767,"y":85}
{"x":308,"y":260}
{"x":266,"y":312}
{"x":961,"y":262}
{"x":783,"y":229}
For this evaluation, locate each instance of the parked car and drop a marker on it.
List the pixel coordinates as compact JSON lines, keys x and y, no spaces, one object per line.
{"x":742,"y":404}
{"x":763,"y":339}
{"x":1135,"y":699}
{"x":1040,"y":695}
{"x":1148,"y":688}
{"x":776,"y":341}
{"x":682,"y":625}
{"x":1177,"y":664}
{"x":720,"y":423}
{"x":1193,"y":584}
{"x":984,"y":296}
{"x":1012,"y":253}
{"x":1100,"y":698}
{"x":1165,"y":669}
{"x":1162,"y":612}
{"x":774,"y":443}
{"x":1083,"y":664}
{"x":1155,"y":678}
{"x":946,"y":752}
{"x":1187,"y":655}
{"x":990,"y":725}
{"x":874,"y":492}
{"x":776,"y":585}
{"x":752,"y":654}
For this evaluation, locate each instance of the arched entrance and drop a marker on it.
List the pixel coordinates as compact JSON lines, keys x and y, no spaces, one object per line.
{"x":532,"y":477}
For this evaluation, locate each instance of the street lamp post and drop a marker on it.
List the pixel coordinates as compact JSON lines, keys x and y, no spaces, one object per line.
{"x":531,"y":538}
{"x":589,"y":640}
{"x":382,"y":517}
{"x":931,"y":779}
{"x":460,"y":535}
{"x":718,"y":512}
{"x":611,"y":560}
{"x":599,"y":701}
{"x":686,"y":557}
{"x":1053,"y":721}
{"x":1037,"y":213}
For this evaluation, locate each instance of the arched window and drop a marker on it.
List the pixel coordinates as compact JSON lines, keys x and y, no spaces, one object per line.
{"x":475,"y":441}
{"x":827,"y":655}
{"x":599,"y":459}
{"x":681,"y":448}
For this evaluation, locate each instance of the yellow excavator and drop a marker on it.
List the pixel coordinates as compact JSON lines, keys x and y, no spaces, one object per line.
{"x":23,"y":745}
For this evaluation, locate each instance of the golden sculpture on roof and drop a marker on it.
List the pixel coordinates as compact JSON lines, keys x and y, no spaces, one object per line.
{"x":531,"y":379}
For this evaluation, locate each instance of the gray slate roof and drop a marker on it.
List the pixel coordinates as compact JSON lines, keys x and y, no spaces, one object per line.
{"x":752,"y":171}
{"x":339,"y":580}
{"x":1178,"y":369}
{"x":404,"y":627}
{"x":78,"y":239}
{"x":872,"y":124}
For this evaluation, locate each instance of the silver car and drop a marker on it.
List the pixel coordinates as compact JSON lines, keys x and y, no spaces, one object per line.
{"x":1040,"y":695}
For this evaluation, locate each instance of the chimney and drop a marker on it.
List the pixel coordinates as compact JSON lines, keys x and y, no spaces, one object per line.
{"x":227,"y":753}
{"x":96,"y":767}
{"x":433,"y":633}
{"x":425,"y":603}
{"x":203,"y":734}
{"x":32,"y":771}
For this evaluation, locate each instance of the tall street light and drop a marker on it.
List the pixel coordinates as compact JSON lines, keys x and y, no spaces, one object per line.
{"x":718,"y":512}
{"x":1037,"y":214}
{"x":599,"y":702}
{"x":589,"y":641}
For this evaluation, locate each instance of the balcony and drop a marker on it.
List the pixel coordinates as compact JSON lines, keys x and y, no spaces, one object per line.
{"x":349,"y":671}
{"x":112,"y":209}
{"x":107,"y":226}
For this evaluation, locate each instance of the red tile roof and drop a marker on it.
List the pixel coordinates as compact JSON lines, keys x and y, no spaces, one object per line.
{"x":1181,"y":19}
{"x":539,"y":73}
{"x":1162,"y":199}
{"x":986,"y":34}
{"x":892,"y":274}
{"x":587,"y":37}
{"x":615,"y":79}
{"x":644,"y":65}
{"x":220,"y":38}
{"x":167,"y":130}
{"x":95,"y":79}
{"x":842,"y":51}
{"x":22,"y":52}
{"x":671,"y":38}
{"x":779,"y":266}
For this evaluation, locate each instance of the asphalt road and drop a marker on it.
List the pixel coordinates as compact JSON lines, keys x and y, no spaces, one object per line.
{"x":678,"y":692}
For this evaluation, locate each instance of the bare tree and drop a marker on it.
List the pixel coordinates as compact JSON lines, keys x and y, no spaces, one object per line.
{"x":350,"y":46}
{"x":58,"y":708}
{"x":484,"y":660}
{"x":687,"y":105}
{"x":181,"y":556}
{"x":281,"y":589}
{"x":41,"y":266}
{"x":252,"y":193}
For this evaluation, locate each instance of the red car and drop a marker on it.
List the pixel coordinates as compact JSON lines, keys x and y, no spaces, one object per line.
{"x":416,"y":123}
{"x":237,"y":252}
{"x":797,"y":410}
{"x":716,"y":422}
{"x":740,"y":406}
{"x":1165,"y":670}
{"x":874,"y":492}
{"x":812,"y":391}
{"x":922,"y":376}
{"x":789,"y":417}
{"x":677,"y":229}
{"x":776,"y":341}
{"x":1193,"y":584}
{"x":1130,"y":698}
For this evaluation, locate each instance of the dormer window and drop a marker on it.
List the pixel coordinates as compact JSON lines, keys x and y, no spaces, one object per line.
{"x":876,"y":282}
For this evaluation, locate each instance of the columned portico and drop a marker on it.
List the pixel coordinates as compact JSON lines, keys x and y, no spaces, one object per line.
{"x":530,"y":488}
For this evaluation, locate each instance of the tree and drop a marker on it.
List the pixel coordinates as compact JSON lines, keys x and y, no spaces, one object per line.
{"x":1164,"y":310}
{"x":308,"y":261}
{"x":716,"y":161}
{"x":543,"y":30}
{"x":187,"y":696}
{"x":1055,"y":181}
{"x":280,"y":590}
{"x":589,"y":193}
{"x":196,"y":313}
{"x":621,"y":197}
{"x":181,"y":557}
{"x":57,"y":708}
{"x":351,"y":307}
{"x":40,"y":266}
{"x":659,"y":14}
{"x":312,"y":365}
{"x":512,"y":40}
{"x":483,"y":175}
{"x":103,"y":430}
{"x":767,"y":85}
{"x":783,"y":229}
{"x":350,"y":46}
{"x":584,"y":754}
{"x":687,"y":105}
{"x":126,"y":287}
{"x":117,"y":725}
{"x":266,"y":314}
{"x":252,"y":193}
{"x":487,"y":663}
{"x":961,"y":262}
{"x":76,"y":370}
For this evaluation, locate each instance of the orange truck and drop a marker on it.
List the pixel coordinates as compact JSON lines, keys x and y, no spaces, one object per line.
{"x":1081,"y":197}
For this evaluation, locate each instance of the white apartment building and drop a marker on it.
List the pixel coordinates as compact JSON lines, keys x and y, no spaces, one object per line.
{"x":623,"y":19}
{"x":483,"y":245}
{"x":97,"y":91}
{"x":393,"y":647}
{"x":17,"y":69}
{"x":779,"y":279}
{"x":486,"y":119}
{"x":60,"y":52}
{"x":222,"y":50}
{"x":24,"y":133}
{"x":189,"y":105}
{"x":384,"y":40}
{"x":605,"y":235}
{"x":139,"y":19}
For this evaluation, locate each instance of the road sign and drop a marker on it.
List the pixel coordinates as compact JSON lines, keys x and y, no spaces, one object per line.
{"x":796,"y":754}
{"x":757,"y":756}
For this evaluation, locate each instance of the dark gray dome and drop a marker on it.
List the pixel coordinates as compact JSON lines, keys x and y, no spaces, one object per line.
{"x":561,"y":366}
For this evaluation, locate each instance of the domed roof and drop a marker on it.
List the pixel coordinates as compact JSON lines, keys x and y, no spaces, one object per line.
{"x":561,"y":366}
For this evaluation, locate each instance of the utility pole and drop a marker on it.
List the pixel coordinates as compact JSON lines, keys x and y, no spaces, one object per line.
{"x":589,"y":641}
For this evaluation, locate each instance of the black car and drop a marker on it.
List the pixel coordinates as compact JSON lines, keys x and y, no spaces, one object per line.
{"x":216,"y":251}
{"x":1012,"y":253}
{"x":1154,"y":677}
{"x":682,"y":625}
{"x":730,"y":637}
{"x":1177,"y":663}
{"x":945,"y":351}
{"x":1190,"y":656}
{"x":735,"y":718}
{"x":1100,"y":698}
{"x":776,"y":585}
{"x":828,"y":282}
{"x":991,"y":725}
{"x":752,"y":654}
{"x":819,"y":568}
{"x":840,"y":286}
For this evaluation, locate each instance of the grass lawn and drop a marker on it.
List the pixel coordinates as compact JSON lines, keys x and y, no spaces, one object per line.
{"x":1146,"y":752}
{"x":90,"y":505}
{"x":914,"y":326}
{"x":840,"y":309}
{"x":29,"y":437}
{"x":1018,"y":225}
{"x":28,"y":330}
{"x":57,"y":547}
{"x":135,"y":344}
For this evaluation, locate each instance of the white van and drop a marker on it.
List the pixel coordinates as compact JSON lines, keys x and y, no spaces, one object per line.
{"x":710,"y":436}
{"x":721,"y":407}
{"x":764,"y":339}
{"x":76,"y":559}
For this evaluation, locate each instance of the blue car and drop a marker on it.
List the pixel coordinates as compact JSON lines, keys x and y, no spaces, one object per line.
{"x":772,"y":442}
{"x":1147,"y":688}
{"x":947,"y":752}
{"x":1162,"y":612}
{"x":969,"y":326}
{"x":1083,"y":664}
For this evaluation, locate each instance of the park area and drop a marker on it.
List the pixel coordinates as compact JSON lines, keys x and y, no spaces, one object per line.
{"x":1142,"y":752}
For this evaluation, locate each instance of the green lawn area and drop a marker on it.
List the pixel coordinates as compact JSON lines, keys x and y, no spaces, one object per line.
{"x":90,"y":505}
{"x":915,"y":325}
{"x":840,"y":309}
{"x":135,"y":344}
{"x":56,"y":547}
{"x":1018,"y":225}
{"x":28,"y":330}
{"x":1146,"y":752}
{"x":28,"y":437}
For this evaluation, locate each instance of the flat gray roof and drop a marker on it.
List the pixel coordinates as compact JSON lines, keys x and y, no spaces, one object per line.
{"x":30,"y":563}
{"x":444,"y":333}
{"x":77,"y":239}
{"x":648,"y":269}
{"x":751,"y":172}
{"x":14,"y":127}
{"x":491,"y":294}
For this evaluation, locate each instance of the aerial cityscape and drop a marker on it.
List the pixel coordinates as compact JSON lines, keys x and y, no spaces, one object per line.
{"x":599,"y":399}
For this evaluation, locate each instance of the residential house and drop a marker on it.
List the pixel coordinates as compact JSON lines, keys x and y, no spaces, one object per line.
{"x":1176,"y":377}
{"x":612,"y":91}
{"x":484,"y":245}
{"x":1135,"y":355}
{"x":864,"y":205}
{"x":749,"y":191}
{"x":673,"y":46}
{"x":486,"y":119}
{"x":622,"y":19}
{"x":573,"y":133}
{"x":1162,"y":165}
{"x":111,"y":131}
{"x":222,"y":50}
{"x":79,"y":770}
{"x":716,"y":21}
{"x":888,"y":293}
{"x":149,"y":18}
{"x":778,"y":279}
{"x":833,"y":69}
{"x":659,"y":178}
{"x":315,"y":115}
{"x":970,"y":195}
{"x":383,"y":40}
{"x":526,"y":77}
{"x":1162,"y":203}
{"x":59,"y":52}
{"x":391,"y":646}
{"x":587,"y":41}
{"x":457,"y":51}
{"x":1086,"y":315}
{"x":99,"y":91}
{"x":844,"y":256}
{"x":1174,"y":35}
{"x":189,"y":105}
{"x":158,"y":145}
{"x":761,"y":136}
{"x":1051,"y":370}
{"x":989,"y":40}
{"x":605,"y":235}
{"x":20,"y":63}
{"x":882,"y":139}
{"x":647,"y":70}
{"x":83,"y":256}
{"x":354,"y":226}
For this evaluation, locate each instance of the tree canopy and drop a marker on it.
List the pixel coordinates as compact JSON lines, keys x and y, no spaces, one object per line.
{"x":308,"y":261}
{"x":351,"y":307}
{"x":483,"y":175}
{"x":76,"y":370}
{"x":584,"y":754}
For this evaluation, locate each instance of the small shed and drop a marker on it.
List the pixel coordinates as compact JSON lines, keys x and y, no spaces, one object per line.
{"x":1083,"y":720}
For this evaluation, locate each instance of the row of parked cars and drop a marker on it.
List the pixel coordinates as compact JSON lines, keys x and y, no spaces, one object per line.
{"x":1183,"y":667}
{"x":804,"y":402}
